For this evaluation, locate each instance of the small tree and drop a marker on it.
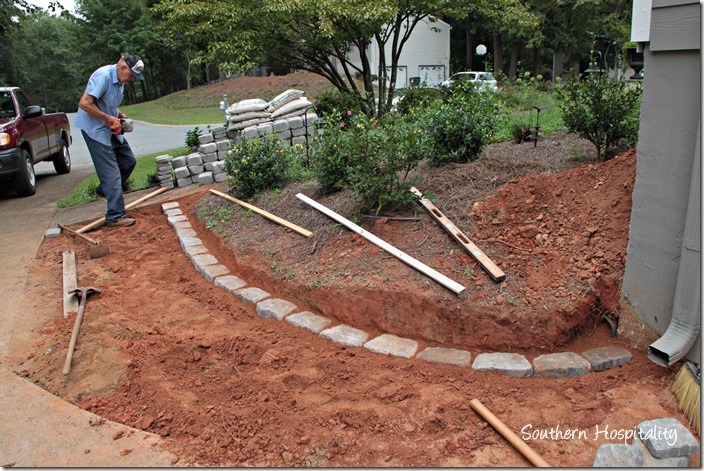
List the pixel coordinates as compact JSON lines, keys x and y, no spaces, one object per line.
{"x":602,"y":110}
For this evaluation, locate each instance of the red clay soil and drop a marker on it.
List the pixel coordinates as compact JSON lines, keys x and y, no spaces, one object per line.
{"x":164,"y":350}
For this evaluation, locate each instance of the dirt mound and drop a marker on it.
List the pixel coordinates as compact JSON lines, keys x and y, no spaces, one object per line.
{"x":163,"y":350}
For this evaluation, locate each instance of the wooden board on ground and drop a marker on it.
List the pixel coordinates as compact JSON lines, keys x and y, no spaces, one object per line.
{"x":426,"y":270}
{"x":487,"y":264}
{"x":70,"y":282}
{"x":276,"y":219}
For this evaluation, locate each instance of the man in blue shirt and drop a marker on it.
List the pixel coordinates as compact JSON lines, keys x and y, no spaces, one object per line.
{"x":98,"y":118}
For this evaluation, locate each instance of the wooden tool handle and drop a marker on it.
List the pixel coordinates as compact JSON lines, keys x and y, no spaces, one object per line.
{"x":508,"y":434}
{"x":82,"y":236}
{"x":101,"y":221}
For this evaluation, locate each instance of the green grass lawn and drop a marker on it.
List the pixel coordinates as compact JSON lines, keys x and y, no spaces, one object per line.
{"x":142,"y":177}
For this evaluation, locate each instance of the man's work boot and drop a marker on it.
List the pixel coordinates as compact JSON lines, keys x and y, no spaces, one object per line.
{"x":119,"y":222}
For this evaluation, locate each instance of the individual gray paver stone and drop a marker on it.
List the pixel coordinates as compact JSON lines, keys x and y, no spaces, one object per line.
{"x":179,"y":162}
{"x":220,"y":177}
{"x":174,"y":219}
{"x":205,"y":178}
{"x":667,"y":438}
{"x":187,"y":232}
{"x":387,"y":344}
{"x":194,"y":159}
{"x":196,"y":170}
{"x":649,"y":461}
{"x":298,"y":140}
{"x":203,"y":260}
{"x":211,"y":157}
{"x":511,"y":364}
{"x":205,"y":138}
{"x":445,"y":356}
{"x":181,"y":182}
{"x":173,"y":212}
{"x":181,"y":172}
{"x":612,"y":455}
{"x":309,"y":321}
{"x":250,"y":132}
{"x":298,"y":132}
{"x":169,"y":184}
{"x":560,"y":365}
{"x":607,"y":357}
{"x":190,"y":242}
{"x":182,"y":225}
{"x":295,"y":122}
{"x":194,"y":250}
{"x":210,"y":272}
{"x":265,"y":128}
{"x":280,"y":125}
{"x":345,"y":335}
{"x":170,"y":205}
{"x":278,"y":308}
{"x":52,"y":232}
{"x":223,"y":145}
{"x":208,"y":148}
{"x":229,"y":282}
{"x":251,"y":295}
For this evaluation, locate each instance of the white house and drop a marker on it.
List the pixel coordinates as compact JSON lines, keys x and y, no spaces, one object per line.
{"x":426,"y":55}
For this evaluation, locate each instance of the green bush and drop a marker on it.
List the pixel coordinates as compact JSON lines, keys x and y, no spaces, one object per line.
{"x":602,"y":110}
{"x":333,"y":104}
{"x":258,"y":165}
{"x":462,"y":126}
{"x":373,"y":158}
{"x":192,"y":141}
{"x":415,"y":97}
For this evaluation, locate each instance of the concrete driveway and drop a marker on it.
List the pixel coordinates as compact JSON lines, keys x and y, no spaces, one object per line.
{"x":36,"y":428}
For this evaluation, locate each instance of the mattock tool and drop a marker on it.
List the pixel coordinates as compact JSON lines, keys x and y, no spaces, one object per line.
{"x":82,"y":294}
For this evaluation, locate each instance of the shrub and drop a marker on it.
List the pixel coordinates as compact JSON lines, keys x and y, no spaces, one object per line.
{"x":257,"y":165}
{"x":415,"y":97}
{"x":192,"y":141}
{"x":602,"y":110}
{"x":372,"y":158}
{"x":461,"y":127}
{"x":333,"y":104}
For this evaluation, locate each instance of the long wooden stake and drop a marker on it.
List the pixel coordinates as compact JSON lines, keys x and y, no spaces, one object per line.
{"x":101,"y":221}
{"x":426,"y":270}
{"x":276,"y":219}
{"x":70,"y":283}
{"x":508,"y":434}
{"x":487,"y":264}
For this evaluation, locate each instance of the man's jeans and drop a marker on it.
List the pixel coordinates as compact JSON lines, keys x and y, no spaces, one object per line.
{"x":114,"y":165}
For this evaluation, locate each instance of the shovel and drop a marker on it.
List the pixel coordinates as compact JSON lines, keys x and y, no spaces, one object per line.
{"x":96,"y":249}
{"x":83,"y":294}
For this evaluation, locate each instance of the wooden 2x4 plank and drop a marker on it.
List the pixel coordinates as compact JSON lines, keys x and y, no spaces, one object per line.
{"x":70,"y":282}
{"x":426,"y":270}
{"x":487,"y":264}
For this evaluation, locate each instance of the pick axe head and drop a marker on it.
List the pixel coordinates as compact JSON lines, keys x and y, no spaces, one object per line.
{"x":83,"y":293}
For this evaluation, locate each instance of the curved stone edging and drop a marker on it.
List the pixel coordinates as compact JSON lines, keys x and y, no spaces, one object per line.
{"x":552,"y":365}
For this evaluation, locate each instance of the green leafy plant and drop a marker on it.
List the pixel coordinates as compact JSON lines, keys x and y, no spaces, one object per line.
{"x":373,"y":158}
{"x":417,"y":97}
{"x":461,"y":126}
{"x":602,"y":110}
{"x":258,"y":165}
{"x":192,"y":141}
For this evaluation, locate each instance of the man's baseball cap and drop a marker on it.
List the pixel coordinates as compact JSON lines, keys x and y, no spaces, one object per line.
{"x":135,"y":64}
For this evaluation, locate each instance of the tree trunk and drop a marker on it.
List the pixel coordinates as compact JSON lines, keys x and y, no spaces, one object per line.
{"x":513,"y":66}
{"x":470,"y":48}
{"x":207,"y":72}
{"x":498,"y":54}
{"x":536,"y":61}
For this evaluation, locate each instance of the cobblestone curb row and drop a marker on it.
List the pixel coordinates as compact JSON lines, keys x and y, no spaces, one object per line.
{"x":553,"y":365}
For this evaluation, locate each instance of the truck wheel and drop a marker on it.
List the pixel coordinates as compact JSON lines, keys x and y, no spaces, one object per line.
{"x":26,"y":181}
{"x":62,"y":159}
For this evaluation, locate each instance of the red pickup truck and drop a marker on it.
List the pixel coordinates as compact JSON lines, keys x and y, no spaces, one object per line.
{"x":28,"y":135}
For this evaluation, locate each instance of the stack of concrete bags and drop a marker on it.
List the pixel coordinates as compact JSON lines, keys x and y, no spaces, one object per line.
{"x":289,"y":117}
{"x":247,"y":113}
{"x":207,"y":164}
{"x":164,"y":171}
